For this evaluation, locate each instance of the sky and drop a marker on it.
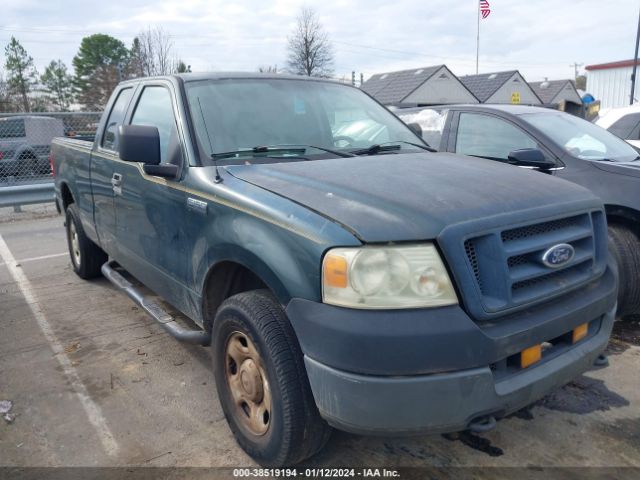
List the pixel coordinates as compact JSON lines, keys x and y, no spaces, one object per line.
{"x":541,"y":38}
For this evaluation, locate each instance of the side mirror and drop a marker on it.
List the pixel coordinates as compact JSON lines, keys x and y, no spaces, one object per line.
{"x":415,"y":128}
{"x":530,"y":157}
{"x":139,"y":143}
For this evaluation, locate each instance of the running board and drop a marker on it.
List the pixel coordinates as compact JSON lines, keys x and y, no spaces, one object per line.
{"x":155,"y":310}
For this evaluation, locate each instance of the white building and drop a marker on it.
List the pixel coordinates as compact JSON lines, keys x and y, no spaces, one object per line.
{"x":611,"y":83}
{"x":418,"y":86}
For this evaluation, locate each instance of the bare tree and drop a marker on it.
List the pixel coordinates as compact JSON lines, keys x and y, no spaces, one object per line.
{"x":151,"y":53}
{"x":310,"y":51}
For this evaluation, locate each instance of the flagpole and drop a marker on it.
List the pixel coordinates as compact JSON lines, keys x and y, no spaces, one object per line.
{"x":478,"y":37}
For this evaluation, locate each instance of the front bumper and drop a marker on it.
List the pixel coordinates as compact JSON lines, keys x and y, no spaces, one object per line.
{"x":447,"y":402}
{"x":429,"y":371}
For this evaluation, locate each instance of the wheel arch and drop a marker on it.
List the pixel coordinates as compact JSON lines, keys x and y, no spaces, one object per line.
{"x":66,"y":196}
{"x":621,"y":215}
{"x":25,"y":150}
{"x":237,"y":272}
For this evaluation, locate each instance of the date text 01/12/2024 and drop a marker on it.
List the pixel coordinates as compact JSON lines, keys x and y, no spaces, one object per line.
{"x":314,"y":472}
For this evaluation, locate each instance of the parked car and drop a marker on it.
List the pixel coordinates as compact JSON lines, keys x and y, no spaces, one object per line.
{"x":623,"y":122}
{"x":25,"y":142}
{"x":372,"y":287}
{"x":561,"y":145}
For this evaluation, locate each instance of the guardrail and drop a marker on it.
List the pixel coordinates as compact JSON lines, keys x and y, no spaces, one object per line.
{"x":25,"y":143}
{"x":17,"y":195}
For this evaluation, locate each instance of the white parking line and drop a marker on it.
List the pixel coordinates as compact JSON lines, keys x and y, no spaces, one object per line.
{"x":35,"y":259}
{"x":92,"y":409}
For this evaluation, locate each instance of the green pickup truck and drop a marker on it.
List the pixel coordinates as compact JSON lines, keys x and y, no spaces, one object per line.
{"x":343,"y":274}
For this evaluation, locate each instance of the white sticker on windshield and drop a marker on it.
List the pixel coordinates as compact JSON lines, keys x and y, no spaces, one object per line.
{"x":299,"y":106}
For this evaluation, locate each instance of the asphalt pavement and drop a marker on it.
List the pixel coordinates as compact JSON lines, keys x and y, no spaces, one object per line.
{"x":93,"y":381}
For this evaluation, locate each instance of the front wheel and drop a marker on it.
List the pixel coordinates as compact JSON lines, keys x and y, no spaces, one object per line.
{"x":262,"y":383}
{"x":625,"y":247}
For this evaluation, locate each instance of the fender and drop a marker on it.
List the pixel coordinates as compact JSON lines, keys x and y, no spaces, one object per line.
{"x":249,"y":260}
{"x":627,"y":214}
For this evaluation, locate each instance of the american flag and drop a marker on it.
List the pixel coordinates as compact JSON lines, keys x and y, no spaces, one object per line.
{"x":485,"y":9}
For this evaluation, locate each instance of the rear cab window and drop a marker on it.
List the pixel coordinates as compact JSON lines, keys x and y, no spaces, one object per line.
{"x":116,"y":117}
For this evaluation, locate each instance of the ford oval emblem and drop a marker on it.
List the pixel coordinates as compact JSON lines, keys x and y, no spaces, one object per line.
{"x":558,"y":255}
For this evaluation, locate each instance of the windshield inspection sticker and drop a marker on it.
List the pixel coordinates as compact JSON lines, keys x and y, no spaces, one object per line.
{"x":299,"y":106}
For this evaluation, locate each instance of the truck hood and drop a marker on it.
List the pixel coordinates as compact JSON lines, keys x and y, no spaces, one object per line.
{"x":621,"y":168}
{"x":403,"y":197}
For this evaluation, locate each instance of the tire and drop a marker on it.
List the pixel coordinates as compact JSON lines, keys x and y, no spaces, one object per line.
{"x":28,"y":164}
{"x":294,"y":429}
{"x":86,"y":256}
{"x":625,"y":248}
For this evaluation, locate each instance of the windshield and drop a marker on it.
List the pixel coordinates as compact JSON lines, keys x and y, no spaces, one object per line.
{"x":242,"y":115}
{"x":581,"y":138}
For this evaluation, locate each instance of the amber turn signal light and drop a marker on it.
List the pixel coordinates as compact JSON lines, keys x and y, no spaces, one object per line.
{"x":530,"y":356}
{"x":335,"y":271}
{"x":580,"y":332}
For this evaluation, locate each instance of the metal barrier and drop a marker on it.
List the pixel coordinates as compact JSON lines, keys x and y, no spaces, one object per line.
{"x":18,"y":195}
{"x":25,"y":144}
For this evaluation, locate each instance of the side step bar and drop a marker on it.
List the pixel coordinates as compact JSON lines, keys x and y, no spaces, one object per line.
{"x":154,"y":310}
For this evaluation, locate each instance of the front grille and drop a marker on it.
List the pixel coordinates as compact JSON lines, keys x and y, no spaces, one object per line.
{"x":507,"y":263}
{"x":470,"y":249}
{"x":539,"y":229}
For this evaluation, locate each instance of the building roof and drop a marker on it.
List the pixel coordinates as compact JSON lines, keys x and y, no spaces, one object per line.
{"x":484,"y":85}
{"x":393,"y":87}
{"x":548,"y":89}
{"x":618,"y":64}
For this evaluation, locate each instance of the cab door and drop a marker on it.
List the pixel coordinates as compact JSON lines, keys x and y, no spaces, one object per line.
{"x":151,"y":231}
{"x":104,"y":158}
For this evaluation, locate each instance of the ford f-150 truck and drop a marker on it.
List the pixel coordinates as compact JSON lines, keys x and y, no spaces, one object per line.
{"x":342,"y":279}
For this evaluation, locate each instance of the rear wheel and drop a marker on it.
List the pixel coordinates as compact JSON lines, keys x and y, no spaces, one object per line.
{"x":262,"y":383}
{"x":86,"y":257}
{"x":28,"y":165}
{"x":624,"y":244}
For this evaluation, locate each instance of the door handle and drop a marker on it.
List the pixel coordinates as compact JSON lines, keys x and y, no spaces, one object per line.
{"x":116,"y":184}
{"x":116,"y":180}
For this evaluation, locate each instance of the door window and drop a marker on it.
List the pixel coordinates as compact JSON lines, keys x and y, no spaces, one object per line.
{"x":155,"y":109}
{"x":491,"y":137}
{"x":116,"y":116}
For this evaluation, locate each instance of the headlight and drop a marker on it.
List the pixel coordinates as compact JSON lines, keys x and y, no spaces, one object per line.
{"x":386,"y":277}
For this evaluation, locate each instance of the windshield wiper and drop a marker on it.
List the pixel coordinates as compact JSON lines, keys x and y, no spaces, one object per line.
{"x":426,"y":147}
{"x":254,"y":150}
{"x":322,"y":149}
{"x":389,"y":147}
{"x":279,"y":148}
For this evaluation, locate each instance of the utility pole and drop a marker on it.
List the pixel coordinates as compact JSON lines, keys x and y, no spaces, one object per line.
{"x":635,"y":65}
{"x":576,"y":66}
{"x":478,"y":38}
{"x":361,"y":79}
